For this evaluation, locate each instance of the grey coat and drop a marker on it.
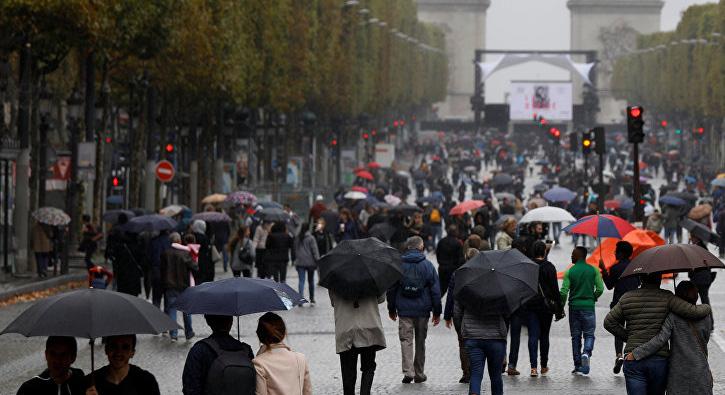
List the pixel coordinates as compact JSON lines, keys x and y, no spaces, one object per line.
{"x":689,"y":371}
{"x":359,"y":326}
{"x":236,"y":263}
{"x":480,"y":327}
{"x":306,"y":252}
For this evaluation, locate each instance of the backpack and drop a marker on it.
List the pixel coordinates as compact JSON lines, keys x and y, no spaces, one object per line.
{"x":244,"y":254}
{"x":413,"y":281}
{"x":232,"y":372}
{"x":435,"y":216}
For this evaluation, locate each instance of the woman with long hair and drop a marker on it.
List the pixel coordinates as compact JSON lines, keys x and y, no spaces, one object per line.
{"x":241,"y":252}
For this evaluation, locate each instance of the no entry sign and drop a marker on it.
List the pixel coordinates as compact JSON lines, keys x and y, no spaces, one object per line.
{"x":165,"y":171}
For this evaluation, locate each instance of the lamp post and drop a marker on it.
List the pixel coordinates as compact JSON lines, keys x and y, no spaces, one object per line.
{"x":75,"y":108}
{"x":44,"y":105}
{"x":308,"y":123}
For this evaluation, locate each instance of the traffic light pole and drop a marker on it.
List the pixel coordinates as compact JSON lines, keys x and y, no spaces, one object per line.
{"x":600,"y":192}
{"x":637,"y":191}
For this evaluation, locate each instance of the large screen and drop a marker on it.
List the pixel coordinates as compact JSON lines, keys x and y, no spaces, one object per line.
{"x":551,"y":100}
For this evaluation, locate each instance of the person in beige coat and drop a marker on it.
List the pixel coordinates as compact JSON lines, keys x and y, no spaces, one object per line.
{"x":280,"y":371}
{"x":42,"y":247}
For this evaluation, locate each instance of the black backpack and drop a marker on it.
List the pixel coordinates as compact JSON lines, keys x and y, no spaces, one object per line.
{"x":232,"y":372}
{"x":413,"y":281}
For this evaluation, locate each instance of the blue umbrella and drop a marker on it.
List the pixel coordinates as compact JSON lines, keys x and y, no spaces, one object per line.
{"x":115,"y":200}
{"x":149,"y":223}
{"x":672,"y":200}
{"x":559,"y":194}
{"x":690,"y":180}
{"x":269,"y":204}
{"x":428,"y":199}
{"x":718,"y":182}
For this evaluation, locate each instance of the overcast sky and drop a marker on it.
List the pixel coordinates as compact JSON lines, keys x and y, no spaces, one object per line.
{"x":542,"y":24}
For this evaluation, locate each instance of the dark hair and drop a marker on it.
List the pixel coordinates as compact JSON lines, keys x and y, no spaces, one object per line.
{"x":474,"y":241}
{"x":520,"y":244}
{"x":271,"y":329}
{"x":538,"y":249}
{"x":303,"y":231}
{"x":687,"y":290}
{"x":623,"y":249}
{"x":189,"y":238}
{"x":107,"y":339}
{"x":278,"y":227}
{"x":219,"y":323}
{"x":582,"y":251}
{"x":453,"y":230}
{"x":62,"y":340}
{"x":86,"y":218}
{"x":652,"y":279}
{"x":122,"y":218}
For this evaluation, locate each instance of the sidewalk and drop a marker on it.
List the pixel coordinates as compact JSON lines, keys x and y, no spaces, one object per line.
{"x":28,"y":283}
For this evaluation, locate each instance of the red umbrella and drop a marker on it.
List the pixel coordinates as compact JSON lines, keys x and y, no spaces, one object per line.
{"x":374,"y":165}
{"x":464,"y":207}
{"x":365,"y":174}
{"x":602,"y":225}
{"x":612,"y":204}
{"x":358,"y":169}
{"x":435,"y":157}
{"x":358,"y":188}
{"x":642,"y":165}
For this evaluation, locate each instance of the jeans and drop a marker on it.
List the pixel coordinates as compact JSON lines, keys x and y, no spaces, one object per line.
{"x":225,"y":257}
{"x":348,"y":365}
{"x":412,"y":332}
{"x":479,"y":351}
{"x":647,"y":376}
{"x":261,"y":264}
{"x":532,"y":322}
{"x":169,"y":298}
{"x":444,"y":277}
{"x":515,"y":333}
{"x":581,"y":324}
{"x":670,"y":234}
{"x":310,"y":279}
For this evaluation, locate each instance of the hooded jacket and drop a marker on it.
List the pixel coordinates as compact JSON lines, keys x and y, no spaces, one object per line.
{"x":429,"y":300}
{"x":44,"y":385}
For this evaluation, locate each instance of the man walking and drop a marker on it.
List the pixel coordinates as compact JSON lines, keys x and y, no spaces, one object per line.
{"x":175,"y":268}
{"x":638,"y":317}
{"x":412,"y":299}
{"x":449,"y":253}
{"x":583,"y":284}
{"x":612,"y":279}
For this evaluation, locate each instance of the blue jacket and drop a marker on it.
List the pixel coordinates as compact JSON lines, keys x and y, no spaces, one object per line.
{"x":429,"y":300}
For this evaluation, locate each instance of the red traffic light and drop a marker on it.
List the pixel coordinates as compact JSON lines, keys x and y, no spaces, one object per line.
{"x":374,"y":132}
{"x":333,"y":142}
{"x":700,"y":130}
{"x":395,"y":124}
{"x":169,"y":148}
{"x":635,"y":112}
{"x":115,"y":181}
{"x":366,"y":136}
{"x":109,"y":140}
{"x":664,"y":124}
{"x":557,"y":133}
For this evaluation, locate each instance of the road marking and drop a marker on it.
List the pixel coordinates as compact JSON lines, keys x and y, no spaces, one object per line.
{"x":719,"y":340}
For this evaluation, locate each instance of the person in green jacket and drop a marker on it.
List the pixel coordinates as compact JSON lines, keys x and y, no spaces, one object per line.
{"x":583,"y":285}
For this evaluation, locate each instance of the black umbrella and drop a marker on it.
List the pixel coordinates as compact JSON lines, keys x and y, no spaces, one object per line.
{"x":139,"y":211}
{"x":268,"y":204}
{"x":672,"y":258}
{"x":382,"y":231}
{"x":360,"y":268}
{"x":700,"y":231}
{"x":406,"y":209}
{"x":686,"y":196}
{"x":332,"y":219}
{"x":502,"y":179}
{"x":212,"y":217}
{"x":273,"y":215}
{"x":111,"y":216}
{"x":149,"y":223}
{"x":91,"y":313}
{"x":497,"y":282}
{"x":541,"y":188}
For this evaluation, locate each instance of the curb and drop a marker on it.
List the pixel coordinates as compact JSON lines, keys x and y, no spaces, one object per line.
{"x":42,"y":285}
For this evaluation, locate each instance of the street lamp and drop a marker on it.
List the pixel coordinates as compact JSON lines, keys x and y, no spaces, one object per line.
{"x":75,"y":108}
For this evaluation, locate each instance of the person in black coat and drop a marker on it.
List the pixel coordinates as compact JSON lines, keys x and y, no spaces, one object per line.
{"x":59,"y":377}
{"x":206,"y":263}
{"x":449,"y":253}
{"x":280,"y":249}
{"x":126,"y":270}
{"x":622,"y":252}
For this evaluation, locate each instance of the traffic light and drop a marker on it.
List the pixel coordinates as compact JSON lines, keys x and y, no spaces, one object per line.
{"x":555,"y":134}
{"x":635,"y":122}
{"x":169,"y":148}
{"x":116,"y":182}
{"x":678,"y":131}
{"x":587,"y":143}
{"x":573,"y":142}
{"x":600,"y":143}
{"x":365,"y":136}
{"x":663,"y":123}
{"x":699,"y":133}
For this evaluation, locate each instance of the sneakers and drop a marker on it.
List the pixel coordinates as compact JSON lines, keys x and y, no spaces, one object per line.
{"x":407,"y":380}
{"x":190,"y":335}
{"x":534,"y":372}
{"x":544,"y":371}
{"x":585,"y":364}
{"x":618,"y":365}
{"x":512,"y":372}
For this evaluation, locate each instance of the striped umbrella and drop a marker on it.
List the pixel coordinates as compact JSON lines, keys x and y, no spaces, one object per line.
{"x":602,"y":225}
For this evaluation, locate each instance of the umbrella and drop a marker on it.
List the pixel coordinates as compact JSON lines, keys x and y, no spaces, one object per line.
{"x":503,"y":218}
{"x":91,"y":313}
{"x":392,"y":200}
{"x":612,"y":204}
{"x":718,"y":182}
{"x":173,"y":210}
{"x":115,"y":199}
{"x":602,"y":225}
{"x":406,"y":209}
{"x":268,"y":204}
{"x":355,"y":195}
{"x":505,"y":195}
{"x":641,"y":240}
{"x":672,"y":200}
{"x":273,"y":215}
{"x":502,"y":179}
{"x":214,"y":198}
{"x":358,"y":188}
{"x":51,"y":216}
{"x":149,"y":223}
{"x":374,"y":165}
{"x":690,"y":180}
{"x":672,"y":258}
{"x":496,"y":282}
{"x":548,"y":214}
{"x":700,"y":211}
{"x":429,"y":199}
{"x":559,"y":194}
{"x":700,"y":231}
{"x":212,"y":217}
{"x":381,"y":205}
{"x":625,"y":202}
{"x":240,"y":198}
{"x":365,"y":174}
{"x":542,"y":162}
{"x":686,"y":196}
{"x":538,"y":202}
{"x":360,"y":268}
{"x":139,"y":211}
{"x":541,"y":188}
{"x":111,"y":216}
{"x":466,"y":206}
{"x":402,"y":173}
{"x":383,"y":231}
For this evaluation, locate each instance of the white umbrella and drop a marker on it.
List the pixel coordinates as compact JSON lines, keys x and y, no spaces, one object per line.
{"x":392,"y":200}
{"x":170,"y":211}
{"x":547,"y":214}
{"x":355,"y":195}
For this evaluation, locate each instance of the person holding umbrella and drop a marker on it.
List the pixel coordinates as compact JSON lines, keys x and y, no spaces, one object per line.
{"x":59,"y":377}
{"x":42,"y":247}
{"x":176,"y":268}
{"x":119,"y":376}
{"x":583,"y":286}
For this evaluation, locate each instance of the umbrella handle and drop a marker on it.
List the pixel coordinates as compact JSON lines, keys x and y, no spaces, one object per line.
{"x":238,"y":332}
{"x":93,"y":362}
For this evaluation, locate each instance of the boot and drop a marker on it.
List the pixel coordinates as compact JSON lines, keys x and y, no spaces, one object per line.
{"x":366,"y":382}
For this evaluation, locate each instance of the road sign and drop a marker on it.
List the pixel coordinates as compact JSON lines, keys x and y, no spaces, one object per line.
{"x":165,"y":171}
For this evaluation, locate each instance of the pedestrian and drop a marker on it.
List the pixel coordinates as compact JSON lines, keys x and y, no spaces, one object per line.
{"x":42,"y":248}
{"x":358,"y":332}
{"x":435,"y":221}
{"x":119,"y":376}
{"x":59,"y":377}
{"x":583,"y":285}
{"x":206,"y":259}
{"x":638,"y":317}
{"x":541,"y":310}
{"x":99,"y":277}
{"x":156,"y":247}
{"x":671,"y":220}
{"x":307,"y":256}
{"x":176,"y":269}
{"x":317,"y":209}
{"x":505,"y":236}
{"x":689,"y":370}
{"x":205,"y":369}
{"x":612,"y":279}
{"x":280,"y":249}
{"x":655,"y":222}
{"x":89,"y":240}
{"x":411,"y":301}
{"x":349,"y":229}
{"x":280,"y":371}
{"x":126,"y":269}
{"x":516,"y":319}
{"x":701,"y":277}
{"x":322,"y":236}
{"x":449,"y":254}
{"x":259,"y":242}
{"x":241,"y":253}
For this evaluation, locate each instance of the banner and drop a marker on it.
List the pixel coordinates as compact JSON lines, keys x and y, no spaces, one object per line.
{"x":551,"y":100}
